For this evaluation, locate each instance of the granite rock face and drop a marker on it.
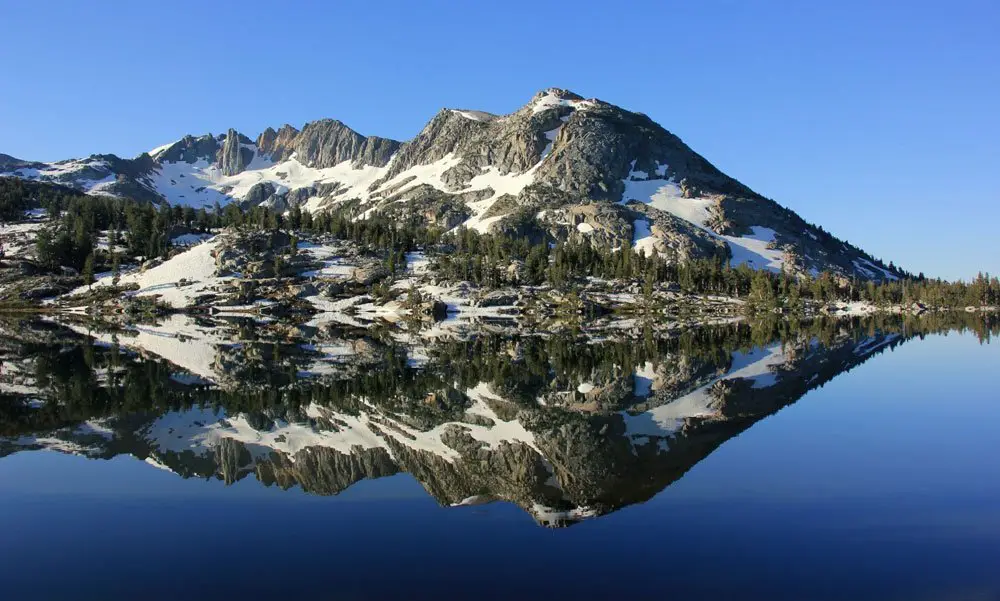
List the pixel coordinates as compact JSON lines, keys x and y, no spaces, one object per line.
{"x":189,"y":149}
{"x":329,"y":142}
{"x":235,"y":154}
{"x":326,"y":143}
{"x":259,"y":193}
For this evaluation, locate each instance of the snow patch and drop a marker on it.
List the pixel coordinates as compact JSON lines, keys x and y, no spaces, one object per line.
{"x":552,"y":99}
{"x":754,"y":250}
{"x":643,"y":241}
{"x":417,"y":262}
{"x":666,"y":195}
{"x":194,"y":267}
{"x":474,"y":115}
{"x":189,"y":239}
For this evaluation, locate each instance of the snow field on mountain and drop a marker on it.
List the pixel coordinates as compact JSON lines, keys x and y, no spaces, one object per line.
{"x":870,"y":269}
{"x":643,"y":241}
{"x":501,"y":183}
{"x":62,"y":172}
{"x":18,"y":239}
{"x":190,"y":184}
{"x":666,"y":195}
{"x":159,"y":149}
{"x":332,"y":264}
{"x":431,"y":174}
{"x":481,"y":224}
{"x":552,"y":99}
{"x":755,"y":250}
{"x":474,"y":115}
{"x":201,"y":184}
{"x":195,"y":266}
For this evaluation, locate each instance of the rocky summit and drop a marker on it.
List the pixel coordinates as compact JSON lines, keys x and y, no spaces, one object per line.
{"x":560,"y":167}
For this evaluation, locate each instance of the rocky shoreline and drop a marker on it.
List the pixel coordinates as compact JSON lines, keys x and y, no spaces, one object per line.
{"x":297,"y":277}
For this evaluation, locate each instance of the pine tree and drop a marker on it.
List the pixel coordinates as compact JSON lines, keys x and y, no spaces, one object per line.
{"x":295,"y":217}
{"x":88,"y":269}
{"x":761,"y":291}
{"x":116,"y":271}
{"x":413,"y":298}
{"x":649,"y":285}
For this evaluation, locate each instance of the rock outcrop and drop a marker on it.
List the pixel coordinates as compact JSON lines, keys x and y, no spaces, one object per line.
{"x":235,"y":154}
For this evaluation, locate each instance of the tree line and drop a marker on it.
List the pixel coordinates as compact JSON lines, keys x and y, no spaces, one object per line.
{"x":140,"y":231}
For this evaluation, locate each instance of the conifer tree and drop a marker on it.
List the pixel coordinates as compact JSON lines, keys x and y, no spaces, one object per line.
{"x":115,"y":268}
{"x":88,"y":269}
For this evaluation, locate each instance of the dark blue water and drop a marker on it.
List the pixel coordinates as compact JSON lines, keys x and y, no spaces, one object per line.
{"x":882,"y":484}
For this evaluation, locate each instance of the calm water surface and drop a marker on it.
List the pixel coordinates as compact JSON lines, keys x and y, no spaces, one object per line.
{"x":842,"y":463}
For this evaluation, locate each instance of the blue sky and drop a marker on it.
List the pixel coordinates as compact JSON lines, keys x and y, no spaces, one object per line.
{"x":877,"y":120}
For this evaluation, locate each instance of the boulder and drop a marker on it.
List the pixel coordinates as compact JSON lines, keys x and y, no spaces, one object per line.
{"x":333,"y":289}
{"x":258,"y":193}
{"x":433,"y":308}
{"x":42,"y":291}
{"x":499,"y":298}
{"x":303,"y":290}
{"x":370,"y":274}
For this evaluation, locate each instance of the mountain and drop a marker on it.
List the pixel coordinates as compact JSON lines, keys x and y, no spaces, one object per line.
{"x":559,"y":167}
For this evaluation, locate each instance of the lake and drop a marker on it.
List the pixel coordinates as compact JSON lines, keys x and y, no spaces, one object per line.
{"x":192,"y":459}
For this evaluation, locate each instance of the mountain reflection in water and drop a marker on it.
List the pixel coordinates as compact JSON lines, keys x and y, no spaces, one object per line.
{"x":567,"y":426}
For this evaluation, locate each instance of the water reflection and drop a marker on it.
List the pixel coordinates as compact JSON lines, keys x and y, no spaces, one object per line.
{"x":566,"y":426}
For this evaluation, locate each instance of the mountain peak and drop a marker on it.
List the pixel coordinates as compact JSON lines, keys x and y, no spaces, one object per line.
{"x":9,"y":163}
{"x":552,"y":98}
{"x":560,"y":93}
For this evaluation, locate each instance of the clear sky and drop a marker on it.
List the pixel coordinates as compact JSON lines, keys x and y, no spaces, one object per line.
{"x":878,"y":120}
